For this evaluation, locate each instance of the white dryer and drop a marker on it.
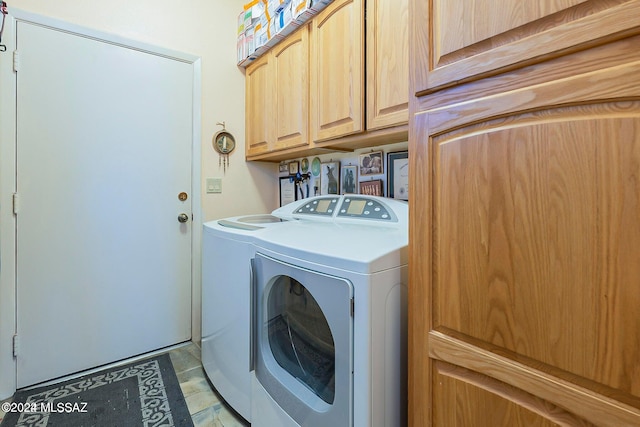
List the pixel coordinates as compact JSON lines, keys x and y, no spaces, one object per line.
{"x":329,"y":315}
{"x":227,"y":250}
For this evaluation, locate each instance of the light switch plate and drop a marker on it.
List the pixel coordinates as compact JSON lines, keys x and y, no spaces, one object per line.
{"x":214,"y":185}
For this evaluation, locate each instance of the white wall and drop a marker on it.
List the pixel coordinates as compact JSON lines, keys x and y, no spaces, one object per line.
{"x":203,"y":28}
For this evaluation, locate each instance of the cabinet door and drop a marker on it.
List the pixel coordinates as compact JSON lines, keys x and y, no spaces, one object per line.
{"x":337,"y":70}
{"x":526,"y":245}
{"x":258,"y":105}
{"x":291,"y":68}
{"x":469,"y":39}
{"x":387,"y":63}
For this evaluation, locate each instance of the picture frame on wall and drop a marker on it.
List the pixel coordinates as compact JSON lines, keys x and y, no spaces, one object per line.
{"x":294,"y":168}
{"x":398,"y":175}
{"x":371,"y":163}
{"x":287,"y":190}
{"x":304,"y":165}
{"x":371,"y":188}
{"x":330,"y":178}
{"x":349,"y":180}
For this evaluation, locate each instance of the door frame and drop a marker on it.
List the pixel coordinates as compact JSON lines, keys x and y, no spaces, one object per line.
{"x":8,"y":97}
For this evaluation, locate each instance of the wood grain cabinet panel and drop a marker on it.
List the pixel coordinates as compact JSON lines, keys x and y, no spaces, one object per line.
{"x":387,"y":63}
{"x":291,"y":67}
{"x":337,"y":70}
{"x":538,"y":218}
{"x":471,"y":39}
{"x":277,"y":97}
{"x":525,"y":247}
{"x":466,"y":398}
{"x":258,"y":97}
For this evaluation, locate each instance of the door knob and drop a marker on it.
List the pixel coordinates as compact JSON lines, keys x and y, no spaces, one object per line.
{"x":183,"y":217}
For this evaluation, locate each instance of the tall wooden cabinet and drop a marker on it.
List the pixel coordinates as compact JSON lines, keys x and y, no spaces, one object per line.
{"x":525,"y":213}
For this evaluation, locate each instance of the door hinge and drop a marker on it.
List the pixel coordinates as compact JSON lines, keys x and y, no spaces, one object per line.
{"x":16,"y":345}
{"x":16,"y":61}
{"x":352,"y":307}
{"x":16,"y":203}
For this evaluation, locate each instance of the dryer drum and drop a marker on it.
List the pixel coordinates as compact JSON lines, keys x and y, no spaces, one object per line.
{"x":300,"y":338}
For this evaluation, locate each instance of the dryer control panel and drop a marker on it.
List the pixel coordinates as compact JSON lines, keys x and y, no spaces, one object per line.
{"x":364,"y":207}
{"x":347,"y":208}
{"x":325,"y":206}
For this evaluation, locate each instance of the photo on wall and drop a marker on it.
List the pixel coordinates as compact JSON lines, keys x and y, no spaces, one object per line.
{"x":371,"y":163}
{"x":371,"y":188}
{"x":349,"y":180}
{"x":398,"y":175}
{"x":287,"y":190}
{"x":330,"y":178}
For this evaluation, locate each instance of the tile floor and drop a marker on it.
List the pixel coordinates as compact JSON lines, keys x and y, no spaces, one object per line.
{"x":205,"y":406}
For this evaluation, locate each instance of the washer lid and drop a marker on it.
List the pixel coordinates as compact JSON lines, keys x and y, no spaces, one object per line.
{"x":259,"y":219}
{"x":238,"y":225}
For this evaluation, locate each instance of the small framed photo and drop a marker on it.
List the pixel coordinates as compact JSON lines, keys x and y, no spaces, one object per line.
{"x":305,"y":165}
{"x":398,"y":175}
{"x":371,"y":188}
{"x":349,"y":180}
{"x":330,"y":178}
{"x":294,"y":168}
{"x":283,"y":167}
{"x":371,"y":163}
{"x":287,"y":190}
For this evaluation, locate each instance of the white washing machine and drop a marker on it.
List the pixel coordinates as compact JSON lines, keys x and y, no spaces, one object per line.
{"x":227,"y":250}
{"x":328,"y":328}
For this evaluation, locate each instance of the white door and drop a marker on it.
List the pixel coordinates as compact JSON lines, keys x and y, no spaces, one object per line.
{"x":104,"y":137}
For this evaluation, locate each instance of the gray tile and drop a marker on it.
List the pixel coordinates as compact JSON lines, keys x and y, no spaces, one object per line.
{"x":201,"y":400}
{"x":205,"y":405}
{"x":183,"y":359}
{"x":194,"y":350}
{"x":193,"y":381}
{"x":206,"y":418}
{"x":228,"y":419}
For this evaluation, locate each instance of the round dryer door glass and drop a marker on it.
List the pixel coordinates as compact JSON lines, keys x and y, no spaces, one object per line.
{"x":300,"y":338}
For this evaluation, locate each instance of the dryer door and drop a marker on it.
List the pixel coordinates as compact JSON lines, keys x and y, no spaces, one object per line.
{"x":303,"y":329}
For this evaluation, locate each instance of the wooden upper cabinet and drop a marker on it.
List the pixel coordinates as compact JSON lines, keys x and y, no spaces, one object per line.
{"x":310,"y":87}
{"x":337,"y":70}
{"x":387,"y":63}
{"x":258,"y":96}
{"x":458,"y":41}
{"x":290,"y":63}
{"x":277,"y":97}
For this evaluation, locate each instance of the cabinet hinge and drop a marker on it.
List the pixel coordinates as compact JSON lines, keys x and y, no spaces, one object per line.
{"x":16,"y":345}
{"x":16,"y":203}
{"x":16,"y":61}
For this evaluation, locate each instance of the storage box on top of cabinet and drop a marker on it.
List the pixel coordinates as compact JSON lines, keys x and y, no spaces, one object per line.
{"x":269,"y":22}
